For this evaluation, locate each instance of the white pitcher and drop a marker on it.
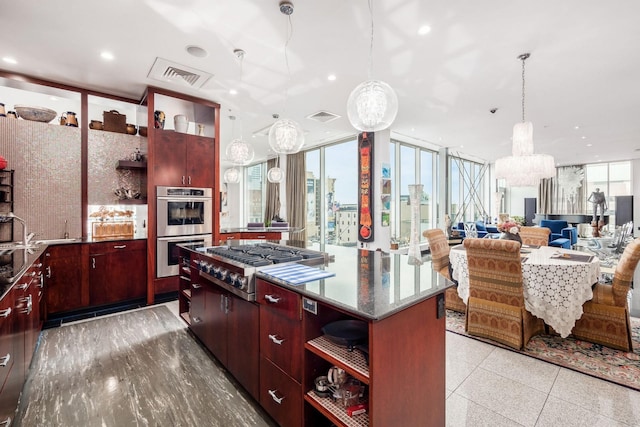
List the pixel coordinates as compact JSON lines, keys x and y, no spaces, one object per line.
{"x":180,"y":123}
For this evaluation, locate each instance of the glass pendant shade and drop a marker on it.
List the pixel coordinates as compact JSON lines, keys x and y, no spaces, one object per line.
{"x":286,"y":137}
{"x":523,"y":168}
{"x":232,"y":176}
{"x":372,"y":106}
{"x":275,"y":175}
{"x":240,"y":152}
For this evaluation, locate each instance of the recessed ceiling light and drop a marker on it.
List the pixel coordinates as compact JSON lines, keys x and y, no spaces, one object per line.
{"x":233,"y":92}
{"x":107,"y":56}
{"x":589,"y":145}
{"x":53,"y":98}
{"x":197,"y":51}
{"x":576,"y":127}
{"x":583,"y":137}
{"x":9,"y":60}
{"x":331,"y":77}
{"x":413,"y":129}
{"x":425,"y":29}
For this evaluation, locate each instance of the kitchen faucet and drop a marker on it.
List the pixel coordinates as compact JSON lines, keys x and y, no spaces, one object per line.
{"x":26,"y":238}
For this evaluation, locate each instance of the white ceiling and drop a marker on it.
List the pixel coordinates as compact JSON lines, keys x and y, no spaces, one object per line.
{"x":583,"y":70}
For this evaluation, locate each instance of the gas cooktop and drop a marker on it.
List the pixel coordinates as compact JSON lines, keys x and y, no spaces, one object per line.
{"x":262,"y":254}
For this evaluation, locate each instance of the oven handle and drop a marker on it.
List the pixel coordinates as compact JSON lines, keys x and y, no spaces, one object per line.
{"x":188,"y":238}
{"x":185,"y":198}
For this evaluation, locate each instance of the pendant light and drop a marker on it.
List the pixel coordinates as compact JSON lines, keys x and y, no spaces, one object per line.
{"x":239,"y":152}
{"x":286,"y":135}
{"x":275,"y":174}
{"x":524,"y":168}
{"x":232,"y":176}
{"x":373,"y":104}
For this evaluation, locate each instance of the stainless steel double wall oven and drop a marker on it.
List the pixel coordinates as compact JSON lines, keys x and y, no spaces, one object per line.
{"x":184,"y":215}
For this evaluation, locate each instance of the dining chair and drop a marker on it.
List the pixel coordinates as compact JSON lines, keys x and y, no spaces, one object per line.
{"x":495,"y":308}
{"x":605,"y":318}
{"x":535,"y":235}
{"x":439,"y":248}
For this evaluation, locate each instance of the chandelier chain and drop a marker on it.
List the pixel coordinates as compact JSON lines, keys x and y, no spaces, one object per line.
{"x":523,"y":94}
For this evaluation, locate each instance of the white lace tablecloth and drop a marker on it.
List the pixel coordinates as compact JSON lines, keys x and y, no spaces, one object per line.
{"x":555,"y":288}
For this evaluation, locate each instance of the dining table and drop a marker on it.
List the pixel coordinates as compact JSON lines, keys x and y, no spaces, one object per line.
{"x":556,"y":282}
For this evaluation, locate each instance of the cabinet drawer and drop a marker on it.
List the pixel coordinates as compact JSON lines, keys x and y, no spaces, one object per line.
{"x":282,"y":301}
{"x":116,"y":245}
{"x":280,"y":341}
{"x":272,"y":235}
{"x":7,"y":316}
{"x":280,"y":395}
{"x":229,"y":236}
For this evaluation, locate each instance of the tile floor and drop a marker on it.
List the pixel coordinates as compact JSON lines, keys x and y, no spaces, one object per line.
{"x":490,"y":386}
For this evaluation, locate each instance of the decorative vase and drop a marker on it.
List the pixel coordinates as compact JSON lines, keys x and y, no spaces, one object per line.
{"x":180,"y":123}
{"x":415,"y":256}
{"x":158,"y":119}
{"x":511,"y":236}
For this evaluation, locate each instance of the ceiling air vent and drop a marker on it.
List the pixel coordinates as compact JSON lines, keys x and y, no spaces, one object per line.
{"x":166,"y":71}
{"x":323,"y":116}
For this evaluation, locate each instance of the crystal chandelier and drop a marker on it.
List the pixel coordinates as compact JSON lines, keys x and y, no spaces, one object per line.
{"x":232,"y":176}
{"x":524,"y":168}
{"x":286,"y":136}
{"x":373,"y":104}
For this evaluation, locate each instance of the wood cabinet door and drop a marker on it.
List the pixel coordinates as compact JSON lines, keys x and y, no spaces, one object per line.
{"x":197,"y":310}
{"x":117,"y":272}
{"x":169,"y":162}
{"x":243,"y":351}
{"x":217,"y":306}
{"x":200,"y":161}
{"x":63,"y":278}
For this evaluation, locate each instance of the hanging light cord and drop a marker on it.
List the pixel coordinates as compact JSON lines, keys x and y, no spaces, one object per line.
{"x":286,"y":60}
{"x":371,"y":43}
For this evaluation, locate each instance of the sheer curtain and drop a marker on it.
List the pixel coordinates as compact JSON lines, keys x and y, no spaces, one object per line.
{"x":297,"y":194}
{"x":545,"y":196}
{"x":272,"y":206}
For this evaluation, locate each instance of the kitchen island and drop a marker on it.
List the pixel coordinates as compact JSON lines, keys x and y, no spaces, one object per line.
{"x":284,"y":350}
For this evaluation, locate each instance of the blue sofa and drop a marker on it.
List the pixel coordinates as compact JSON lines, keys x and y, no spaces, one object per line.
{"x":483,"y":229}
{"x":562,"y":235}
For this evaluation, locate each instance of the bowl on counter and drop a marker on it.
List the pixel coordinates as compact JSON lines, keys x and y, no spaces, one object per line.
{"x":36,"y":114}
{"x":142,"y":131}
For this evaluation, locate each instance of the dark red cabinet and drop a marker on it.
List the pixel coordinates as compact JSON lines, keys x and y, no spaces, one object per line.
{"x":183,"y":160}
{"x":117,"y":271}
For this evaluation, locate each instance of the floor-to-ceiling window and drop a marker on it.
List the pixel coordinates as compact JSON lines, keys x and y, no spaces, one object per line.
{"x":614,"y":179}
{"x":341,"y":193}
{"x":468,"y":192}
{"x":256,"y":188}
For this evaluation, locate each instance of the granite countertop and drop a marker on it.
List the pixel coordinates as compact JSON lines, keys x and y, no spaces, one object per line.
{"x":260,"y":229}
{"x":14,"y":263}
{"x":370,"y":284}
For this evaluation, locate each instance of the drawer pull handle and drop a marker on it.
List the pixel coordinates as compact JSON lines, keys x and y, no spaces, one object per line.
{"x":272,"y":299}
{"x":196,"y":319}
{"x":38,"y":265}
{"x":23,"y":286}
{"x":275,"y":339}
{"x":261,"y":237}
{"x":5,"y":313}
{"x":275,"y":398}
{"x":5,"y":360}
{"x":196,"y":286}
{"x":6,"y":422}
{"x":119,"y":246}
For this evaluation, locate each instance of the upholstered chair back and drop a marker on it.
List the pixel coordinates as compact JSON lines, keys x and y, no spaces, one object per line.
{"x":623,"y":275}
{"x":495,"y":270}
{"x":439,"y":248}
{"x":535,"y":236}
